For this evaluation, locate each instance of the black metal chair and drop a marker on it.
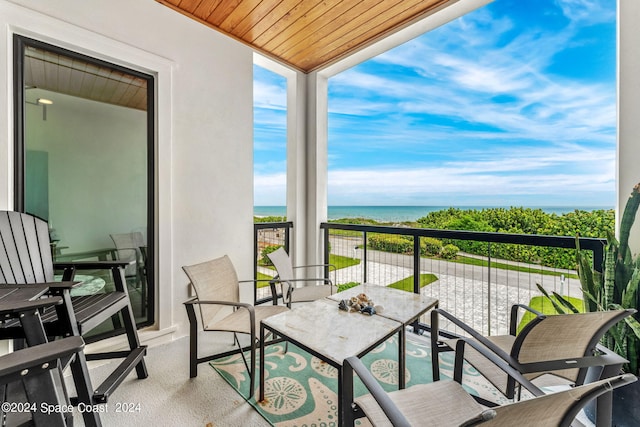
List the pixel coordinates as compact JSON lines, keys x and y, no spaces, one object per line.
{"x":25,"y":258}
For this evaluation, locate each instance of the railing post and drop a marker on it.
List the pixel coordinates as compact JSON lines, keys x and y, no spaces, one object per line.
{"x":255,"y":262}
{"x":364,"y":257}
{"x":488,"y":288}
{"x":326,"y":253}
{"x":416,"y":264}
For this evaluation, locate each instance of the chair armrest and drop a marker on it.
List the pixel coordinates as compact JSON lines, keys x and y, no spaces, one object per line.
{"x":317,"y":265}
{"x":67,"y":284}
{"x":377,"y":392}
{"x":195,"y":301}
{"x":606,"y":357}
{"x":499,"y":362}
{"x":513,"y":324}
{"x":92,"y":265}
{"x":20,"y":306}
{"x":310,"y":279}
{"x":35,"y":357}
{"x":477,"y":336}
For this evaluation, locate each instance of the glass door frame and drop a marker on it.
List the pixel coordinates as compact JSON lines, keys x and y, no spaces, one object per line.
{"x":20,"y":43}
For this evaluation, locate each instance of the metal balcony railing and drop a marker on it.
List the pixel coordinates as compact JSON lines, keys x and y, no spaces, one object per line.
{"x":264,"y":235}
{"x":478,"y":286}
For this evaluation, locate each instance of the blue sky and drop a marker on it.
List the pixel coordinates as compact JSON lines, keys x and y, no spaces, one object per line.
{"x":513,"y":104}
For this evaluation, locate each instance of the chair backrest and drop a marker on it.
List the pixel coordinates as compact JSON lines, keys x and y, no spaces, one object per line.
{"x":214,"y":280}
{"x":128,"y":246}
{"x":282,"y":262}
{"x":564,"y":336}
{"x":556,"y":409}
{"x":25,"y":249}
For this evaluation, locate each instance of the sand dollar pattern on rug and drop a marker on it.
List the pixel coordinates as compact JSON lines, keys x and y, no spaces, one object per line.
{"x":308,"y":396}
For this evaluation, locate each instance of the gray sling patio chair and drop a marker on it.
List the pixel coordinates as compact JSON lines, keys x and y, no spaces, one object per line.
{"x":559,"y":348}
{"x":446,"y":403}
{"x":217,"y":290}
{"x":132,"y":248}
{"x":287,"y":279}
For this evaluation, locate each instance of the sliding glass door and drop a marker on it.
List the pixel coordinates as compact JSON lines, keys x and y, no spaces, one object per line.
{"x":84,"y":162}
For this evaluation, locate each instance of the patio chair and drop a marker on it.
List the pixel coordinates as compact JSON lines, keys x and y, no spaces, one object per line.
{"x":287,"y":279}
{"x":559,"y":348}
{"x":446,"y":403}
{"x":217,"y":291}
{"x":25,"y":258}
{"x":130,"y":247}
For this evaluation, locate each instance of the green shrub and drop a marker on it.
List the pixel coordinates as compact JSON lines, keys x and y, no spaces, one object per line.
{"x":264,"y":259}
{"x":449,"y":251}
{"x":430,"y":246}
{"x":391,"y":243}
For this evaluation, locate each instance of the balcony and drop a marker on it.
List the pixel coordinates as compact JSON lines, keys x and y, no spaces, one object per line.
{"x":479,"y":291}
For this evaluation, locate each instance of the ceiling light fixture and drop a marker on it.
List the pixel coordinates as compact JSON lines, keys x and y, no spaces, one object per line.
{"x":45,"y":101}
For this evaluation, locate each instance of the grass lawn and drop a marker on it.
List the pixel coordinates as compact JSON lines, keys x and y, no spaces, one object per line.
{"x":406,"y":284}
{"x":544,"y":306}
{"x":337,"y":260}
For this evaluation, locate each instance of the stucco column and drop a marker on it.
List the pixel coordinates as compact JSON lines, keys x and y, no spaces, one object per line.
{"x":316,"y":185}
{"x":628,"y":152}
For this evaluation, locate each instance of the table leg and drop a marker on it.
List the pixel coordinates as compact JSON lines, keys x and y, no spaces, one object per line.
{"x":402,"y":347}
{"x":345,"y":396}
{"x":262,"y":370}
{"x":43,"y":387}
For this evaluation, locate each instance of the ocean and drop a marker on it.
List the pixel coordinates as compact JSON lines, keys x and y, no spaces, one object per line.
{"x":403,"y":213}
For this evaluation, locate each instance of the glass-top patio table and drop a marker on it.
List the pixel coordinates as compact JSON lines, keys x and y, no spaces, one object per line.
{"x":401,"y":306}
{"x":327,"y":332}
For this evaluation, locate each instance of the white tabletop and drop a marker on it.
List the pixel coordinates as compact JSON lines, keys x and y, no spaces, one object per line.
{"x":336,"y":334}
{"x":397,"y":305}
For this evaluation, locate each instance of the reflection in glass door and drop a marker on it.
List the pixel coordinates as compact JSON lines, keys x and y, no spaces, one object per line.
{"x":84,"y":162}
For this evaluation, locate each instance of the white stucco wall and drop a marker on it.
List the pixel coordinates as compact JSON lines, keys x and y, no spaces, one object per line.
{"x":628,"y":168}
{"x":204,"y":128}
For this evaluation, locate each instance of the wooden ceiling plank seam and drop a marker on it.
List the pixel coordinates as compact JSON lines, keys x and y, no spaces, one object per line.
{"x":267,"y":21}
{"x":334,"y":36}
{"x":50,"y":74}
{"x":29,"y":76}
{"x":75,"y":82}
{"x":245,"y":8}
{"x":222,"y":11}
{"x":283,"y":27}
{"x":327,"y":59}
{"x":363,"y":29}
{"x":206,"y":8}
{"x":187,"y":5}
{"x":326,"y":26}
{"x":298,"y":28}
{"x":98,"y":87}
{"x":257,"y":14}
{"x":64,"y":77}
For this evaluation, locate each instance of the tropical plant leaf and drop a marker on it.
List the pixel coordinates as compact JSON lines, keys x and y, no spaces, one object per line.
{"x":555,"y":304}
{"x":566,"y":303}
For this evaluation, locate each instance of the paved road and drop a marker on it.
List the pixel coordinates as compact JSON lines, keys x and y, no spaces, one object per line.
{"x":479,"y":295}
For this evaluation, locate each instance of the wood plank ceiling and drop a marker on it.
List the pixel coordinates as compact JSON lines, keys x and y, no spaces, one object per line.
{"x":306,"y":34}
{"x":62,"y":74}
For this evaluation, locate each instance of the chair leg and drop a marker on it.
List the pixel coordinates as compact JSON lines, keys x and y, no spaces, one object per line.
{"x":252,"y":373}
{"x":84,"y":389}
{"x":130,"y":324}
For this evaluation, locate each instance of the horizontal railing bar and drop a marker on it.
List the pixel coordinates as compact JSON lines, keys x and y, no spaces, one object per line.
{"x":590,"y":243}
{"x":268,"y":225}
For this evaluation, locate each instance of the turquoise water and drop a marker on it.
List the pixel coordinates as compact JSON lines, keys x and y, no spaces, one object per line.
{"x":403,"y":213}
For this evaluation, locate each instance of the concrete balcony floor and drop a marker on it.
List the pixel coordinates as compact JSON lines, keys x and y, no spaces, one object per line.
{"x":168,"y":397}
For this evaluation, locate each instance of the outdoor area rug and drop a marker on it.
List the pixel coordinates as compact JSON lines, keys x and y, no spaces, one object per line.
{"x":301,"y":390}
